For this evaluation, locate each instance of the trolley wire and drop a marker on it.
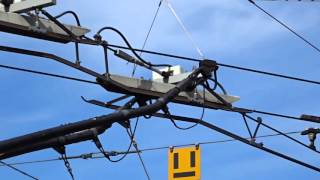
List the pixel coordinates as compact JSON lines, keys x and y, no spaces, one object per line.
{"x":114,"y":153}
{"x":221,"y":64}
{"x":286,"y":26}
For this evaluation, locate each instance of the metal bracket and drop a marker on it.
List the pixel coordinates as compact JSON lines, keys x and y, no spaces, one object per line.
{"x":254,"y":135}
{"x":38,"y":28}
{"x":259,"y":119}
{"x":312,"y":135}
{"x":125,"y":124}
{"x":62,"y":151}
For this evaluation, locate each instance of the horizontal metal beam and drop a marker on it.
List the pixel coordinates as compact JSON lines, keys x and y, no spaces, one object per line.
{"x":42,"y":29}
{"x":229,"y":134}
{"x":141,"y":87}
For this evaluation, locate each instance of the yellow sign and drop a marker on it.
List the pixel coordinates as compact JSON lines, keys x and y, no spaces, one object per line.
{"x":184,"y":163}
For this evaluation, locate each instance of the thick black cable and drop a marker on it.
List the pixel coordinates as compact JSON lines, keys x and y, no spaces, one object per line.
{"x":222,"y":65}
{"x":100,"y":147}
{"x":98,"y":36}
{"x":102,"y":151}
{"x":195,"y":124}
{"x":18,"y":170}
{"x":65,"y":29}
{"x":76,"y":17}
{"x":220,"y":86}
{"x":286,"y":26}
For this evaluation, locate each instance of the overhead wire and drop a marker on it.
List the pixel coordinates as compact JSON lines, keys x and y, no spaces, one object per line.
{"x":151,"y":26}
{"x":135,"y":145}
{"x":286,"y":26}
{"x":222,"y":65}
{"x":135,"y":65}
{"x":89,"y":155}
{"x":18,"y":170}
{"x":47,"y":74}
{"x":148,"y":34}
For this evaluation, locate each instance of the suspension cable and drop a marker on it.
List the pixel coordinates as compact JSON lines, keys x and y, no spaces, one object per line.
{"x":18,"y":170}
{"x":286,"y":26}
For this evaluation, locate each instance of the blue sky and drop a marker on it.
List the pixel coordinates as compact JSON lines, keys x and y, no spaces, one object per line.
{"x":229,"y":31}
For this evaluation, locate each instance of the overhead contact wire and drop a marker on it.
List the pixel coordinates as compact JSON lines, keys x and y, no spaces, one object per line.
{"x":286,"y":26}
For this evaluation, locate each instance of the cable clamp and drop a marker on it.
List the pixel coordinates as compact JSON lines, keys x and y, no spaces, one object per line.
{"x":171,"y":149}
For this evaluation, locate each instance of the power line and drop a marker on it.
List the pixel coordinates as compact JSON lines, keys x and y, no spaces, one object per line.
{"x":92,"y":155}
{"x":286,"y":26}
{"x":18,"y":170}
{"x":148,"y":34}
{"x":151,"y":26}
{"x":93,"y":82}
{"x":221,"y":64}
{"x":47,"y":74}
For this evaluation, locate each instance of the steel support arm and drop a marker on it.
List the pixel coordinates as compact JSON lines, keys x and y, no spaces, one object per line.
{"x":44,"y":135}
{"x":229,"y":134}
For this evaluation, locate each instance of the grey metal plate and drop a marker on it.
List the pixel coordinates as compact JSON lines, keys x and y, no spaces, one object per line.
{"x":157,"y":87}
{"x":20,"y":6}
{"x":26,"y":26}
